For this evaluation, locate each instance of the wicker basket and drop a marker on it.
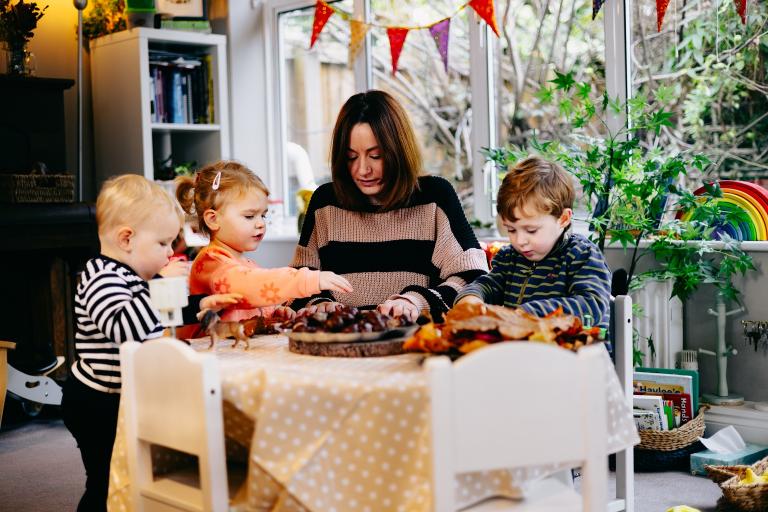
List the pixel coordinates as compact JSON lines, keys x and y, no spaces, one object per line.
{"x":675,"y":439}
{"x":747,"y":497}
{"x":37,"y":188}
{"x":720,"y":474}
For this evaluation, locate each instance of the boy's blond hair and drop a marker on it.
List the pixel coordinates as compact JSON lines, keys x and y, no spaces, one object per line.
{"x":535,"y":183}
{"x":130,"y":200}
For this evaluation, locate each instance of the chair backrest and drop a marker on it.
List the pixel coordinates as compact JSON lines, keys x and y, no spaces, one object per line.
{"x":518,"y":404}
{"x":172,"y":398}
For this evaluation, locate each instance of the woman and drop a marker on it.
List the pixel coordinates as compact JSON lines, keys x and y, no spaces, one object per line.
{"x":401,"y":239}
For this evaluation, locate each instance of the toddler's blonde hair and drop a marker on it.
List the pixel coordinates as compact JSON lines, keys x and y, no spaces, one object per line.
{"x":196,"y":194}
{"x":131,"y":200}
{"x":535,"y":183}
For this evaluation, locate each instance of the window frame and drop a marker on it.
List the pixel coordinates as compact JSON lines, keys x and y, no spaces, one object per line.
{"x":483,"y":91}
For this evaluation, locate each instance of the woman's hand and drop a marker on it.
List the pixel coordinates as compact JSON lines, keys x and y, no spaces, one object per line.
{"x":400,"y":307}
{"x":334,"y":282}
{"x":322,"y":307}
{"x":220,"y":301}
{"x":176,"y":268}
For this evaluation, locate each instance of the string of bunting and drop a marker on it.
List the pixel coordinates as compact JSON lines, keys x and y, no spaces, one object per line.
{"x":439,"y":30}
{"x":661,"y":10}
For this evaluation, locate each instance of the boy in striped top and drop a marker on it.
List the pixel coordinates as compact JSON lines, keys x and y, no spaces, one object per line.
{"x":137,"y":222}
{"x":545,"y":266}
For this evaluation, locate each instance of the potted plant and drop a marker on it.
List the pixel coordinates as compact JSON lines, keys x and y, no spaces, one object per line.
{"x":631,"y":190}
{"x":17,"y":24}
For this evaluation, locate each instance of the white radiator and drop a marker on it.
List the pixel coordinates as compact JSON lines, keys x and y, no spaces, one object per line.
{"x":661,"y":318}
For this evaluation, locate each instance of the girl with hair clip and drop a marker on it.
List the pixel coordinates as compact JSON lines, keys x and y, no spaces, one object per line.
{"x":230,"y":202}
{"x":400,"y":238}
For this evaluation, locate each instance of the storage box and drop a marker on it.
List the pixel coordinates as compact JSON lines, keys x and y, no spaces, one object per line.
{"x":37,"y":188}
{"x":751,"y":453}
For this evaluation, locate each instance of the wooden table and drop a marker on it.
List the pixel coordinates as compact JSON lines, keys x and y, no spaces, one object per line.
{"x":345,"y":434}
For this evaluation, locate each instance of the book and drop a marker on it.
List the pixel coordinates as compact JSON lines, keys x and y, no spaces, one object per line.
{"x":654,"y":404}
{"x":683,"y":406}
{"x":646,"y":420}
{"x":677,"y":371}
{"x":657,"y":382}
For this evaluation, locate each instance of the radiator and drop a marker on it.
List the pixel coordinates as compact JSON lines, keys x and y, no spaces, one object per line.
{"x":661,"y":318}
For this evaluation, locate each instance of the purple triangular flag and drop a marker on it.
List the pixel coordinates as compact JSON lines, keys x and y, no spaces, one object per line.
{"x":439,"y":32}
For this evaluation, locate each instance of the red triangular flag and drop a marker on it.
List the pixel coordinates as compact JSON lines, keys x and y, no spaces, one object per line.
{"x":323,"y":11}
{"x":661,"y":10}
{"x":486,"y":10}
{"x":741,"y":7}
{"x":396,"y":40}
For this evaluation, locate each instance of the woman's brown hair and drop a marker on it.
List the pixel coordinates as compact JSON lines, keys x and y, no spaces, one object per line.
{"x":400,"y":153}
{"x":196,"y":194}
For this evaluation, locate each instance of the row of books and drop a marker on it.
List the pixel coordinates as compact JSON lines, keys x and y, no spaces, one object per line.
{"x":664,"y":398}
{"x":181,"y":88}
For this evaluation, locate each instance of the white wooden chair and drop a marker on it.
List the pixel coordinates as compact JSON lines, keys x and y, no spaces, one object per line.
{"x":520,"y":404}
{"x":621,"y":333}
{"x":172,"y":398}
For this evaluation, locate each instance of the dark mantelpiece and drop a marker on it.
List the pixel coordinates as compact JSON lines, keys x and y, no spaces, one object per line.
{"x":42,"y":248}
{"x":32,"y":126}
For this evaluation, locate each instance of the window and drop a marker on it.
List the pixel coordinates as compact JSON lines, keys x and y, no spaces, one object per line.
{"x":313,"y":86}
{"x":711,"y":71}
{"x":439,"y":102}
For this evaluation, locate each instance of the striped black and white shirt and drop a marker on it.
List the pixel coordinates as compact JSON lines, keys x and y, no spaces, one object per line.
{"x":112,"y":305}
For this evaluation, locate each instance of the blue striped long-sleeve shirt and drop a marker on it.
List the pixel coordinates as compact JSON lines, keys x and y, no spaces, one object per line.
{"x":573,"y":276}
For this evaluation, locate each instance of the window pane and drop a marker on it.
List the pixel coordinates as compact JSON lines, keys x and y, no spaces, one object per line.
{"x":715,"y":69}
{"x":438,"y":102}
{"x":539,"y":37}
{"x":315,"y":83}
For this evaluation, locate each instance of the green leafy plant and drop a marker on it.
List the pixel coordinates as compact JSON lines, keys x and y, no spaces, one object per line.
{"x":631,"y":189}
{"x":103,"y":17}
{"x":18,"y":21}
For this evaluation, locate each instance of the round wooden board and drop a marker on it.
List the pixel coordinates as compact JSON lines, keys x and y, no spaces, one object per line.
{"x":378,"y":348}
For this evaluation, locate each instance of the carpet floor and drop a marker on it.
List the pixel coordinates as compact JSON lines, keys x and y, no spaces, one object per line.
{"x":41,"y":470}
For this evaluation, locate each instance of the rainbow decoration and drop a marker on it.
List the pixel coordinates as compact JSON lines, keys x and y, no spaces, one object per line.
{"x":749,"y":202}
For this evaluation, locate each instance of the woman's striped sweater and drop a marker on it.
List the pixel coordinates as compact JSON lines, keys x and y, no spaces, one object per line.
{"x":573,"y":276}
{"x":425,"y":251}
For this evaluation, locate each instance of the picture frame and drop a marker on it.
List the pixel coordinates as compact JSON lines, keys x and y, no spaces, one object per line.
{"x":182,"y":9}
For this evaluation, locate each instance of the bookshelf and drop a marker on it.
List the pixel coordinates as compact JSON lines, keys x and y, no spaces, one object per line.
{"x":131,"y":114}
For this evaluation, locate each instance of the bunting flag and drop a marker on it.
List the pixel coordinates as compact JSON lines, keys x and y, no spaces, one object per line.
{"x":596,"y":6}
{"x":396,"y":37}
{"x":486,"y":10}
{"x":661,"y":10}
{"x":323,"y":11}
{"x":357,"y":31}
{"x":439,"y":32}
{"x":741,"y":7}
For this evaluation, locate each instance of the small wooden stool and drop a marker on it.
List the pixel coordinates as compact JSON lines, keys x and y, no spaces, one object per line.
{"x":5,"y":346}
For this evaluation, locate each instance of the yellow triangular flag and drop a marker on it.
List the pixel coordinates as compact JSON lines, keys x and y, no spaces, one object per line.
{"x":357,"y":31}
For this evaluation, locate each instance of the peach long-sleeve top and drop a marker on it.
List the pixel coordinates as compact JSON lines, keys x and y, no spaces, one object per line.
{"x":218,"y":270}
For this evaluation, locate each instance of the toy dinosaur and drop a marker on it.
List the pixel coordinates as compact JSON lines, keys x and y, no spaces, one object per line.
{"x":217,"y":330}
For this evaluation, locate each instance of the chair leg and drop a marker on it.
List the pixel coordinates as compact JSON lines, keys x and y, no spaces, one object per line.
{"x":5,"y":346}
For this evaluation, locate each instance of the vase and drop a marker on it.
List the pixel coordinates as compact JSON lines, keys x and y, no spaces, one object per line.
{"x":17,"y":58}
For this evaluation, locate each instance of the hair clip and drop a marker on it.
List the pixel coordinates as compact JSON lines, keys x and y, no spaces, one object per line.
{"x":216,"y":181}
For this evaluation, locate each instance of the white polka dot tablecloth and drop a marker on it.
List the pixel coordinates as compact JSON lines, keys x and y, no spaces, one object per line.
{"x":343,"y":434}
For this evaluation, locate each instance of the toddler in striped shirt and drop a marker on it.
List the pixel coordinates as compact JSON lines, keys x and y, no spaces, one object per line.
{"x":137,"y":222}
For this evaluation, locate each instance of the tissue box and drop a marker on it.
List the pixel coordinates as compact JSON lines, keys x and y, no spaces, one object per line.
{"x":751,"y":453}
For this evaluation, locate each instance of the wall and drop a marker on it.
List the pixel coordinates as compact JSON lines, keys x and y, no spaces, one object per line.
{"x":748,"y":370}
